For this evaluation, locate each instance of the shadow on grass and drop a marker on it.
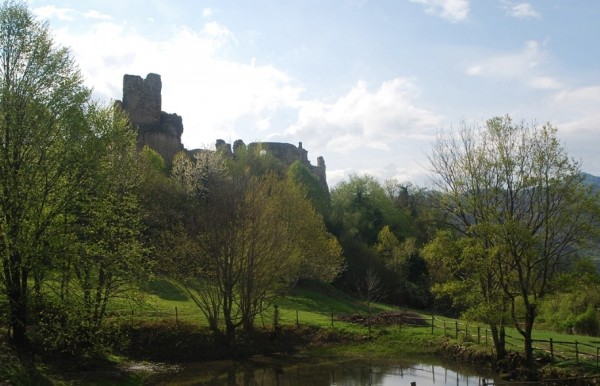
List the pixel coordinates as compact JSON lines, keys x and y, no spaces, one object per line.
{"x":166,"y":290}
{"x":323,"y":299}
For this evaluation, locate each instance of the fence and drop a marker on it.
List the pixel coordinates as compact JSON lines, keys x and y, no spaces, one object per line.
{"x":557,"y":350}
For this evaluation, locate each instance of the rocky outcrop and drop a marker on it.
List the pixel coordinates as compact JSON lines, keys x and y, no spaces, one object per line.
{"x":157,"y":129}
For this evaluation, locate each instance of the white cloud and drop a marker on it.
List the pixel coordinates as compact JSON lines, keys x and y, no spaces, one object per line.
{"x":207,"y":12}
{"x":578,"y":102}
{"x":217,"y":98}
{"x":365,"y":119}
{"x":525,"y":66}
{"x":545,"y":83}
{"x":95,"y":15}
{"x":216,"y":32}
{"x":452,"y":10}
{"x":53,"y":12}
{"x":220,"y":98}
{"x":520,"y":10}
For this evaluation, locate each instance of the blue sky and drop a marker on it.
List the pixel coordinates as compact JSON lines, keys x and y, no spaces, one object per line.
{"x":366,"y":84}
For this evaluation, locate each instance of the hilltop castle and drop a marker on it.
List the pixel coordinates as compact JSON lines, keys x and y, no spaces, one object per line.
{"x":162,"y":131}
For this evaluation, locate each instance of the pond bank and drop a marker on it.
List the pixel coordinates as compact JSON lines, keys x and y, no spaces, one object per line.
{"x":159,"y":349}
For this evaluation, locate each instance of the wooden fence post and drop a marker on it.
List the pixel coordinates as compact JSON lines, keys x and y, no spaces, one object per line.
{"x":466,"y":331}
{"x":432,"y":321}
{"x":478,"y":334}
{"x":276,"y":316}
{"x":597,"y":353}
{"x":551,"y":350}
{"x":486,"y":338}
{"x":444,"y":328}
{"x":332,"y":318}
{"x":297,"y":320}
{"x":576,"y":352}
{"x":456,"y":329}
{"x":176,"y":316}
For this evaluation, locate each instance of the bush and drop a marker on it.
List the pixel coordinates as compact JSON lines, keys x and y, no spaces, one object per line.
{"x":63,"y":329}
{"x":587,"y":323}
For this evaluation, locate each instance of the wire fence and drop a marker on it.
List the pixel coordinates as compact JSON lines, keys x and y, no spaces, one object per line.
{"x":557,"y":350}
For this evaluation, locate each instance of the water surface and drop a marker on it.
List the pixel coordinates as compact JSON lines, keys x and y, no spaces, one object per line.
{"x":285,"y":371}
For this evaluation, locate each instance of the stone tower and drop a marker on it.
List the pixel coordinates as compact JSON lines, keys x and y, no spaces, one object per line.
{"x":157,"y":129}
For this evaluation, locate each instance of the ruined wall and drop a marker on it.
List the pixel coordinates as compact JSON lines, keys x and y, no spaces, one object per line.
{"x":162,"y":131}
{"x":157,"y":129}
{"x":284,"y":152}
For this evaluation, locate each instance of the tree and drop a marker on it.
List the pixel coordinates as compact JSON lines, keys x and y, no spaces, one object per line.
{"x":255,"y":235}
{"x":97,"y":254}
{"x":106,"y":218}
{"x":360,"y":208}
{"x":514,"y":193}
{"x":299,"y":175}
{"x":406,"y":276}
{"x":41,"y":131}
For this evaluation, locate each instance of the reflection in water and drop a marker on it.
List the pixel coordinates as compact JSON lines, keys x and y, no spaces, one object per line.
{"x":267,"y":371}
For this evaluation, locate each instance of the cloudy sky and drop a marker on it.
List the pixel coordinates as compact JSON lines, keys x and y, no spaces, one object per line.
{"x":366,"y":84}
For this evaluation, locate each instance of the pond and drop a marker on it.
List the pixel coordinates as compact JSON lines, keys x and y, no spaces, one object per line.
{"x":285,"y":371}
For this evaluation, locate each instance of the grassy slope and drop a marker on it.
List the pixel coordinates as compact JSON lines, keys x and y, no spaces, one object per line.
{"x":309,"y":304}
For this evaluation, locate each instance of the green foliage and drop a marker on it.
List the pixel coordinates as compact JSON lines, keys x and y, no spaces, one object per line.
{"x":255,"y":161}
{"x":253,"y":234}
{"x":517,"y":199}
{"x":360,"y":208}
{"x":300,"y":176}
{"x":64,"y":329}
{"x":587,"y":323}
{"x":406,"y":277}
{"x":153,"y":161}
{"x":379,"y":231}
{"x":573,"y":308}
{"x":43,"y":137}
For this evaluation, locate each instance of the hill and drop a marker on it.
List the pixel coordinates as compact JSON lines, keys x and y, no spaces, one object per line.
{"x":591,"y":180}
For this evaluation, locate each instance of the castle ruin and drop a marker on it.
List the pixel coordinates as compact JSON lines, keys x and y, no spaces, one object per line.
{"x":157,"y":129}
{"x":162,"y":131}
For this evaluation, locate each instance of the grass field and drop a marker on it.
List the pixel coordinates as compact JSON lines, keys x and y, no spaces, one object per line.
{"x":315,"y":304}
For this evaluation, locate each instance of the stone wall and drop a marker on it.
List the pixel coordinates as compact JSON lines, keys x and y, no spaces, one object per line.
{"x":157,"y":129}
{"x":162,"y":131}
{"x":284,"y":152}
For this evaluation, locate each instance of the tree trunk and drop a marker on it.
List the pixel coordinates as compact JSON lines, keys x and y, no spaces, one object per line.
{"x":230,"y":333}
{"x":499,"y":337}
{"x":17,"y":298}
{"x":526,"y":332}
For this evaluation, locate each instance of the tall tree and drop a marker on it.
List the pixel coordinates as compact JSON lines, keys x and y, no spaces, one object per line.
{"x":255,"y":234}
{"x":41,"y":127}
{"x":108,"y":255}
{"x":512,"y":189}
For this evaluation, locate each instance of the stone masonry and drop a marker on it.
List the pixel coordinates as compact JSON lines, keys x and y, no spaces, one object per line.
{"x":162,"y":131}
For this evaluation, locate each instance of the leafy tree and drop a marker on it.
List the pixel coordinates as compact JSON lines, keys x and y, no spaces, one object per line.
{"x":360,"y":208}
{"x":419,"y":205}
{"x":462,"y":273}
{"x":406,"y":276}
{"x":41,"y":132}
{"x":101,"y":255}
{"x":518,"y":198}
{"x":107,"y":218}
{"x":255,"y":234}
{"x":299,"y":175}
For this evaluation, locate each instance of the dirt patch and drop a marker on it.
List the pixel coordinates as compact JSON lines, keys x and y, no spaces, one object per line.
{"x":389,"y":318}
{"x":150,"y":368}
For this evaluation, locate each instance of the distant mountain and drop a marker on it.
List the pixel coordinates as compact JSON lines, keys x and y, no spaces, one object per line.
{"x":592,"y":180}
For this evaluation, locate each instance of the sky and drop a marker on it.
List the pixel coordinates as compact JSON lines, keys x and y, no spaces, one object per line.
{"x":366,"y":84}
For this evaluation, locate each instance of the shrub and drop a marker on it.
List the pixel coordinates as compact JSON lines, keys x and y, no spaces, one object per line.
{"x":587,"y":323}
{"x":63,"y":329}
